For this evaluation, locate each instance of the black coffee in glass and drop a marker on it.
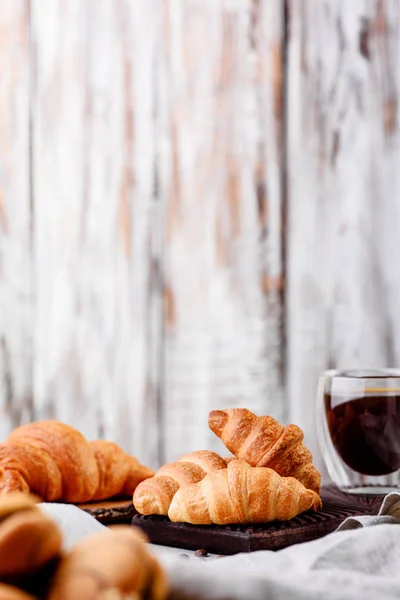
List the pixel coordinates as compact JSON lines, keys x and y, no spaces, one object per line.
{"x":359,"y":428}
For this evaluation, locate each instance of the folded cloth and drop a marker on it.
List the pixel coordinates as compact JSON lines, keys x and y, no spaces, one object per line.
{"x":74,"y":523}
{"x":357,"y":561}
{"x":388,"y":513}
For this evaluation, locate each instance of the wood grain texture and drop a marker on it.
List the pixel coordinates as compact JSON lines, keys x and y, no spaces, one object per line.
{"x":344,"y":212}
{"x":15,"y":218}
{"x":142,"y":247}
{"x":96,"y":364}
{"x":220,"y":92}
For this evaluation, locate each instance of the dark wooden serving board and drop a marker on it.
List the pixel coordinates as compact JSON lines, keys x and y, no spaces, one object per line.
{"x":337,"y":506}
{"x":111,"y":511}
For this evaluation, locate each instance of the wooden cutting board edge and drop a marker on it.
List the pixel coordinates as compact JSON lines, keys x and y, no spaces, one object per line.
{"x":110,"y":512}
{"x":337,"y":506}
{"x":221,"y":540}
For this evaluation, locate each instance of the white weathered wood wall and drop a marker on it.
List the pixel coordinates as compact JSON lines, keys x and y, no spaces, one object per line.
{"x":343,"y":166}
{"x":16,"y":243}
{"x":221,"y":77}
{"x":198,"y":208}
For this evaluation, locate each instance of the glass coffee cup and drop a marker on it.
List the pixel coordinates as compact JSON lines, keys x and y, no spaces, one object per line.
{"x":358,"y":420}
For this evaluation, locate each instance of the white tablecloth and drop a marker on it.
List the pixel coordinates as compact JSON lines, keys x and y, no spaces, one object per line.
{"x":360,"y":560}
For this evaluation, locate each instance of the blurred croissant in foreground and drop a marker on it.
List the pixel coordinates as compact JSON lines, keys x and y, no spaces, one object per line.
{"x":10,"y":592}
{"x":115,"y":563}
{"x":28,"y":539}
{"x":242,"y":494}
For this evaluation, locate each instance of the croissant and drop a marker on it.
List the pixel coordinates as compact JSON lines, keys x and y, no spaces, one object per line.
{"x":112,"y":564}
{"x":28,"y":539}
{"x":263,"y":442}
{"x":55,"y":462}
{"x":27,"y":542}
{"x":15,"y":502}
{"x":241,"y":494}
{"x":9,"y":592}
{"x":119,"y":473}
{"x":154,"y":496}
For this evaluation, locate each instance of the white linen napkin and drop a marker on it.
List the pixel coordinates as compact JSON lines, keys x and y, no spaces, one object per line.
{"x":74,"y":523}
{"x":360,"y":560}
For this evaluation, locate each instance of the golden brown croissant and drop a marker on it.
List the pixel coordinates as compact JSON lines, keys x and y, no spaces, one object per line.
{"x":119,"y":473}
{"x":242,"y":494}
{"x":263,"y":442}
{"x":153,"y":496}
{"x":28,"y":539}
{"x":112,"y":564}
{"x":9,"y":592}
{"x":55,"y":462}
{"x":15,"y":502}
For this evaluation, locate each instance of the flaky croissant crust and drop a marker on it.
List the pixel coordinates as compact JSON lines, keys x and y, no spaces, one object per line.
{"x":242,"y":494}
{"x":154,"y":495}
{"x":263,"y":442}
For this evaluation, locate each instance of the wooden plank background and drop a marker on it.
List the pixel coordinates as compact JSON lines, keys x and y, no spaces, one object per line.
{"x":16,"y":273}
{"x":343,"y":139}
{"x":198,"y":209}
{"x":221,"y":77}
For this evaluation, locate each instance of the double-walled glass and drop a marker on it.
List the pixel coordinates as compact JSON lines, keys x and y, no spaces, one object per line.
{"x":358,"y":419}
